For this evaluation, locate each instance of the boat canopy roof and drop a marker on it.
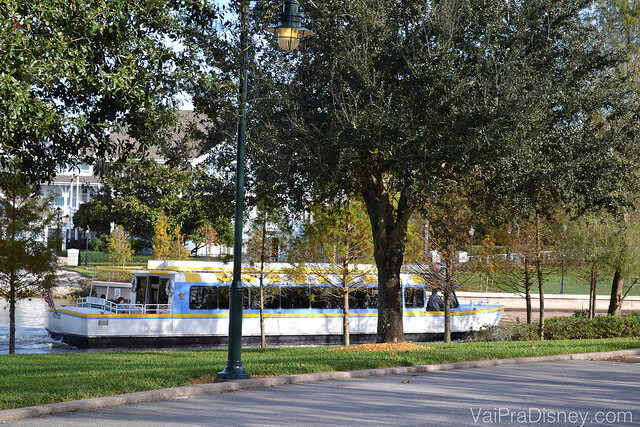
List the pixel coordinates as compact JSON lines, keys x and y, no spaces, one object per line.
{"x":274,"y":273}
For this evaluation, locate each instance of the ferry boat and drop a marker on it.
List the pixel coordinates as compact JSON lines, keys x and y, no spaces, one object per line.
{"x":187,"y":303}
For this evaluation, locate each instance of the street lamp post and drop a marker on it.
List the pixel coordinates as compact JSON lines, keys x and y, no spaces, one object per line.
{"x":289,"y":31}
{"x":86,"y":249}
{"x":58,"y":232}
{"x":471,"y":231}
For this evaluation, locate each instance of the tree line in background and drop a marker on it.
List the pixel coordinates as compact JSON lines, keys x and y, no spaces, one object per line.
{"x":504,"y":115}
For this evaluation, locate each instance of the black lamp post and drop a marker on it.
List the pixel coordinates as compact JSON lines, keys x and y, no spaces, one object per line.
{"x":289,"y":31}
{"x":58,"y":233}
{"x":86,"y":248}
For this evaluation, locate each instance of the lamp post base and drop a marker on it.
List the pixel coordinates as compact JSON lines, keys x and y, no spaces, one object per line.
{"x":234,"y":373}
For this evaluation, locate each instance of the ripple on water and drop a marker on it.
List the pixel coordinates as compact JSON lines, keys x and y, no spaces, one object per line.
{"x":31,"y":335}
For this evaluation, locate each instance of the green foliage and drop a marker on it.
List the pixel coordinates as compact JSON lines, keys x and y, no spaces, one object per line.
{"x":596,"y":328}
{"x":166,"y":246}
{"x":268,"y":235}
{"x":161,"y":241}
{"x":338,"y":235}
{"x":69,"y":69}
{"x":178,"y":250}
{"x":137,"y":192}
{"x":389,"y":102}
{"x":119,"y":247}
{"x":94,"y":214}
{"x":97,"y":244}
{"x":27,"y":265}
{"x":575,"y":327}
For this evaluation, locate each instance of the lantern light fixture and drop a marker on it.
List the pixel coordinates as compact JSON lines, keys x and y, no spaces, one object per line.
{"x":289,"y":28}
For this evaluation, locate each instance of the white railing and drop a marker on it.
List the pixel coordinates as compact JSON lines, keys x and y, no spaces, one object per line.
{"x":112,"y":307}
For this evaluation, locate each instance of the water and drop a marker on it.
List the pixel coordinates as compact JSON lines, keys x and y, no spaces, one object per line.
{"x":31,"y":335}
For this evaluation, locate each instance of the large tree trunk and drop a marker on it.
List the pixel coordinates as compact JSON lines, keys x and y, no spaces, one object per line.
{"x":527,"y":288}
{"x":12,"y":320}
{"x":615,"y":303}
{"x":389,"y":219}
{"x":592,"y":291}
{"x":12,"y":314}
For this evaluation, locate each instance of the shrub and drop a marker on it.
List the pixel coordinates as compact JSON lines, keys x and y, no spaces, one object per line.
{"x":568,"y":327}
{"x":97,"y":244}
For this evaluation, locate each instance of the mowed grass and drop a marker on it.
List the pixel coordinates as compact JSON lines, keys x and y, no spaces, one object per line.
{"x":33,"y":379}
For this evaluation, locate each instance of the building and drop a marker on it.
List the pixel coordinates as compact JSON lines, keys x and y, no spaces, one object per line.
{"x":73,"y":187}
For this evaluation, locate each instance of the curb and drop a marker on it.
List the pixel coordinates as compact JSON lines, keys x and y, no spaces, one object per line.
{"x":186,"y":392}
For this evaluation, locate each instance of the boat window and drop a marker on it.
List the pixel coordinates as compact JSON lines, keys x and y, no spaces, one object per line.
{"x":413,"y":297}
{"x":152,"y":291}
{"x":163,"y":298}
{"x":270,"y":295}
{"x":203,"y":297}
{"x":294,"y":297}
{"x":452,"y":304}
{"x":325,"y":297}
{"x":223,"y":297}
{"x":142,"y":290}
{"x":454,"y":300}
{"x":363,"y":298}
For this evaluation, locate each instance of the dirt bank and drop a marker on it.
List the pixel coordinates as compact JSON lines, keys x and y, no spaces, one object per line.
{"x":69,"y":283}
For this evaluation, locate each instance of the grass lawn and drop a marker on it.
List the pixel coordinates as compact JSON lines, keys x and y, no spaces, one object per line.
{"x":575,"y":282}
{"x":32,"y":379}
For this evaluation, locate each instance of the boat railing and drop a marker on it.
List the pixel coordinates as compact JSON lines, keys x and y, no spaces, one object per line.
{"x":112,"y":307}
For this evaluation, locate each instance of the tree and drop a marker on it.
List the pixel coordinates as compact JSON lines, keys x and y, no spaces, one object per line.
{"x":517,"y":270}
{"x":622,"y":255}
{"x":27,"y":266}
{"x":94,"y":215}
{"x":161,"y":241}
{"x":178,"y":250}
{"x":165,"y":245}
{"x":204,"y":237}
{"x":335,"y":239}
{"x":119,"y":246}
{"x":70,"y":70}
{"x":450,"y":217}
{"x":137,"y":192}
{"x":260,"y":247}
{"x":388,"y":100}
{"x":585,"y":239}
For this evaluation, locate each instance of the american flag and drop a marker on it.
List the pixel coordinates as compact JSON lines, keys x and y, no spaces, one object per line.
{"x":49,"y":299}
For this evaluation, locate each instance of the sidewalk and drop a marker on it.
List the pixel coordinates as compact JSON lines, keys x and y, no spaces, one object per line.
{"x":533,"y":380}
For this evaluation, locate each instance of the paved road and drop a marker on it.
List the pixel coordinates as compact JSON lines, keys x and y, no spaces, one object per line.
{"x":578,"y":393}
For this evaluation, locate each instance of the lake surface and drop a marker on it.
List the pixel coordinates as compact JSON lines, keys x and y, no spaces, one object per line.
{"x":31,"y":335}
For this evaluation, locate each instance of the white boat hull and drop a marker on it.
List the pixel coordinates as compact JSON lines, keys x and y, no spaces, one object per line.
{"x":90,"y":327}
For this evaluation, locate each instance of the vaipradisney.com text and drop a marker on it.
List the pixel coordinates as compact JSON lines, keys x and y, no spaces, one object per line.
{"x":546,"y":416}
